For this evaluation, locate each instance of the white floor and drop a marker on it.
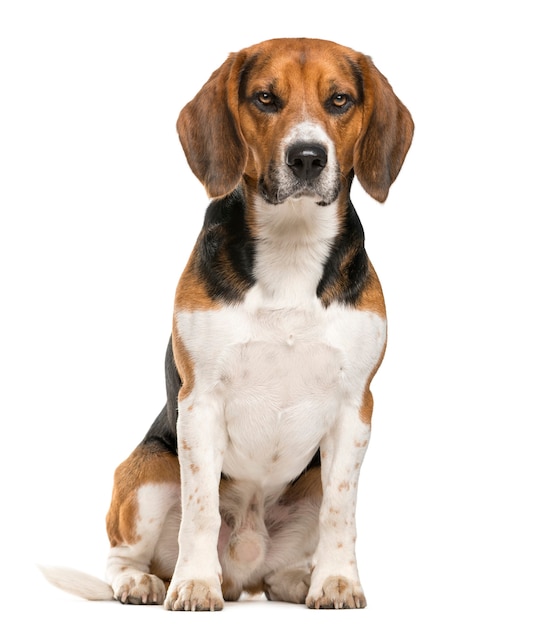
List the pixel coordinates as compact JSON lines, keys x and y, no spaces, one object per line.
{"x":35,"y":601}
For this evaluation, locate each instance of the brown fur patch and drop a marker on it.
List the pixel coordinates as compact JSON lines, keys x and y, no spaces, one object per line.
{"x":184,"y":364}
{"x":145,"y":465}
{"x":191,"y":293}
{"x":367,"y":406}
{"x":309,"y":485}
{"x":372,"y":297}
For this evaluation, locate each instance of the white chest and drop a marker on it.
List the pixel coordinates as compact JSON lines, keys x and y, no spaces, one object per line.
{"x":280,"y":377}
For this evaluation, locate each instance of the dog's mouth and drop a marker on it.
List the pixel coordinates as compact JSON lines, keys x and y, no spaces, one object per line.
{"x":277,"y":192}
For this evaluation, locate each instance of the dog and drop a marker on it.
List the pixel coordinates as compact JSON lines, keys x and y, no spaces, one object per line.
{"x":247,"y":479}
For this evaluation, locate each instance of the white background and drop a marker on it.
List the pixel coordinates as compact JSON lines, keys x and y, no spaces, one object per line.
{"x":99,"y":212}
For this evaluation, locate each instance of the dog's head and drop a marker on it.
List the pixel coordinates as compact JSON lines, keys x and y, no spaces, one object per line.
{"x":296,"y":117}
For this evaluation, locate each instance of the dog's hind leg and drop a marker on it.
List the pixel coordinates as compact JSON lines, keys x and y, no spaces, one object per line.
{"x":142,"y":524}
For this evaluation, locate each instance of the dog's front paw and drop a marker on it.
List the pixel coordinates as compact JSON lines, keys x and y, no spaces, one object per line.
{"x":139,"y":588}
{"x":194,"y":595}
{"x":337,"y":592}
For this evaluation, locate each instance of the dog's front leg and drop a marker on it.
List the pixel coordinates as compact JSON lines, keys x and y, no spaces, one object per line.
{"x":196,"y":583}
{"x":335,"y":580}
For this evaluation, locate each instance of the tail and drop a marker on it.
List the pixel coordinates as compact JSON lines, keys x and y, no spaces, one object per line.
{"x":78,"y":583}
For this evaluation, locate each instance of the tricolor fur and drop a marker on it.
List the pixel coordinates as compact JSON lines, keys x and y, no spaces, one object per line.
{"x":279,"y":327}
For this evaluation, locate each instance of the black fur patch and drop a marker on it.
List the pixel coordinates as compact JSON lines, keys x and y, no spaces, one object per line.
{"x":226,"y":249}
{"x":345,"y":271}
{"x":163,"y":430}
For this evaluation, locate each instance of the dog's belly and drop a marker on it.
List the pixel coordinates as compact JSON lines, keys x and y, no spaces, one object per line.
{"x":280,"y":399}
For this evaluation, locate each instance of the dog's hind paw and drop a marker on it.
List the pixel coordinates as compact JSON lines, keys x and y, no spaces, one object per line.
{"x":139,"y":589}
{"x":289,"y":585}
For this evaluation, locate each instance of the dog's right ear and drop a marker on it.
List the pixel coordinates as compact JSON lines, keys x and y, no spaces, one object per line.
{"x":210,"y":134}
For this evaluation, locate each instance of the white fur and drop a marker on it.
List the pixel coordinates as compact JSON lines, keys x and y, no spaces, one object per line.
{"x":293,"y":241}
{"x":77,"y":583}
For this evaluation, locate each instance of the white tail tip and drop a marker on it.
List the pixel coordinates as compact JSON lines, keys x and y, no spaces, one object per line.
{"x":77,"y":583}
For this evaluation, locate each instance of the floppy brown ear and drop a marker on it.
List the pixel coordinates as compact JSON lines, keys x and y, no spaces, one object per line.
{"x":210,"y":134}
{"x":385,"y":136}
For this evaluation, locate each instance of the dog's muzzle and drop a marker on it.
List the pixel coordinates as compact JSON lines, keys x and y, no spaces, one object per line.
{"x":303,"y":171}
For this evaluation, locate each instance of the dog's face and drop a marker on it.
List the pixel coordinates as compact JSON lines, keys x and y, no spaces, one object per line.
{"x":296,"y":117}
{"x":311,"y":100}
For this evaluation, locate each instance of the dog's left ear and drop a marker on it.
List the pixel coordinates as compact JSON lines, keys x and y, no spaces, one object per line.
{"x":210,"y":134}
{"x":385,"y":136}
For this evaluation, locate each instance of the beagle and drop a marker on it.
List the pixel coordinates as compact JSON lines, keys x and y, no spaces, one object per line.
{"x":247,"y":479}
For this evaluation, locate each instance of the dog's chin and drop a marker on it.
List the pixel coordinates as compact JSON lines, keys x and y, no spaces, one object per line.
{"x":279,"y":194}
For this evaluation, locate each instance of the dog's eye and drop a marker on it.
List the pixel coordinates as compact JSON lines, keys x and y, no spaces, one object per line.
{"x":265,"y":98}
{"x":339,"y":103}
{"x":340,"y":100}
{"x":266,"y":101}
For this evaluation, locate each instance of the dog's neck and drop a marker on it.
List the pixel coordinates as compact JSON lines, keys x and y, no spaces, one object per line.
{"x":294,"y":240}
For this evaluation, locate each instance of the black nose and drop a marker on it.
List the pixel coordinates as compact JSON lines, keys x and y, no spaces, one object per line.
{"x":306,"y":160}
